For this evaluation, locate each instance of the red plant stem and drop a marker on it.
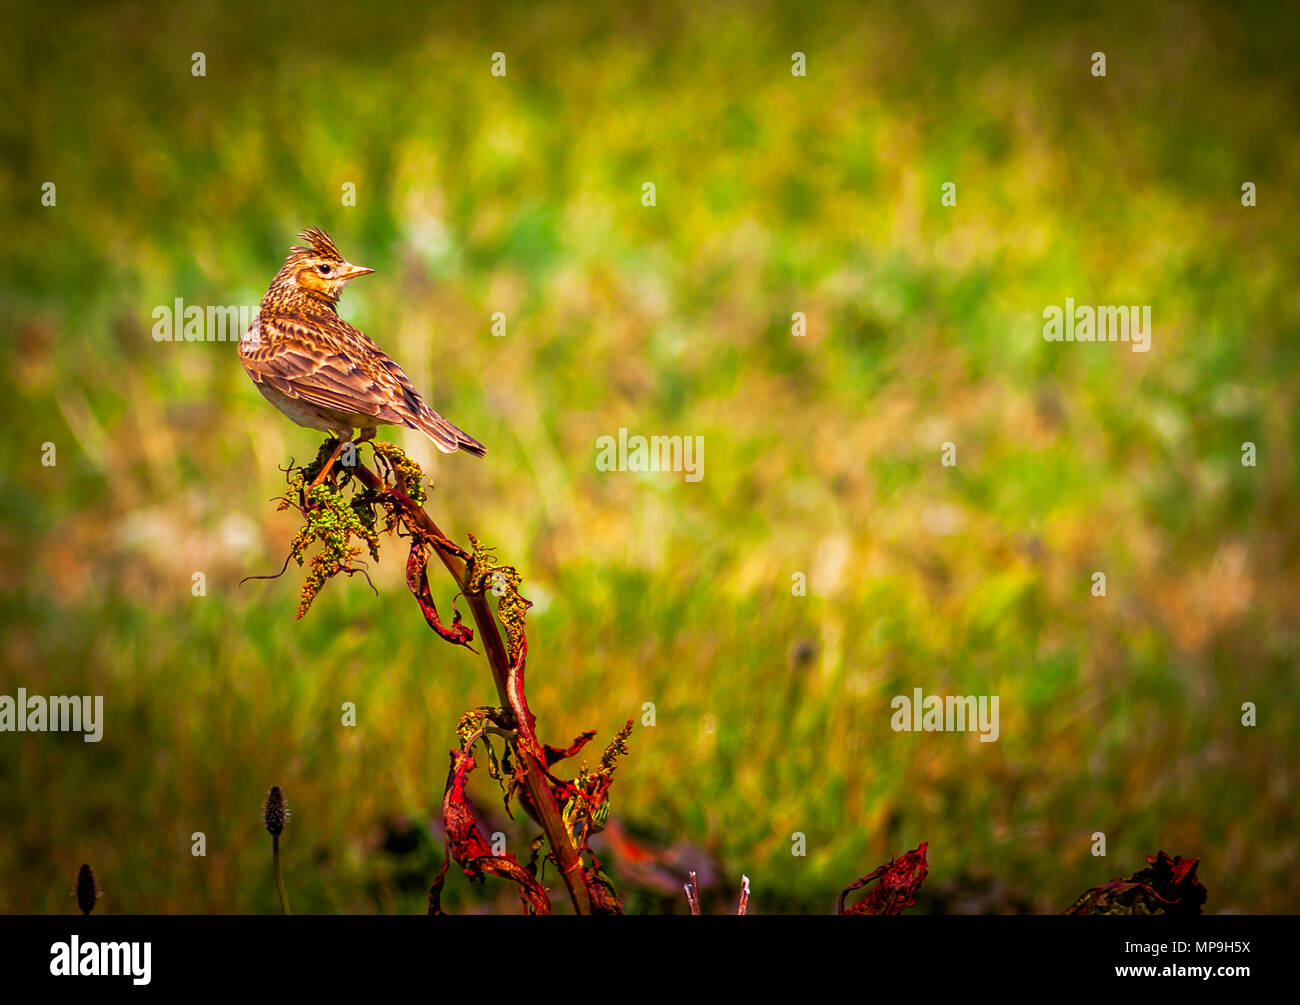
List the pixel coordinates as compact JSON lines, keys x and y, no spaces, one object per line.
{"x":539,"y":789}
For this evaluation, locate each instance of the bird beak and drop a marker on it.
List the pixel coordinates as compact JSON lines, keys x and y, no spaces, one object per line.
{"x":349,"y":271}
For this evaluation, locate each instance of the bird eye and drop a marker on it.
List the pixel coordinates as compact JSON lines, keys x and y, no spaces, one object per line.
{"x":324,"y":270}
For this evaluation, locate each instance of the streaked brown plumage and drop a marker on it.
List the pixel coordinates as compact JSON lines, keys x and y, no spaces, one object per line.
{"x":322,"y":372}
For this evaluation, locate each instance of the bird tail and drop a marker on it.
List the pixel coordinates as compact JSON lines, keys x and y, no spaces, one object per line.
{"x":445,"y":436}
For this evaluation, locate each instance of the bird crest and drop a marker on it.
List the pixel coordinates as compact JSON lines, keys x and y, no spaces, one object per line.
{"x":319,"y":244}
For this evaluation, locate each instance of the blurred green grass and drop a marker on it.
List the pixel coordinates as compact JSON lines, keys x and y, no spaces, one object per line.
{"x":775,"y":194}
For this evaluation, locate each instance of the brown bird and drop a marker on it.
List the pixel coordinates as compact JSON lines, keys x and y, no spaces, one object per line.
{"x":323,"y":373}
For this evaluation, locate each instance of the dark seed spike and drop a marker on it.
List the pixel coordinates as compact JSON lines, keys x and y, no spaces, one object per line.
{"x":86,"y":889}
{"x":275,"y":811}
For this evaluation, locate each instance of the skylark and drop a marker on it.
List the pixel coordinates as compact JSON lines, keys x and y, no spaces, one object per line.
{"x":323,"y":373}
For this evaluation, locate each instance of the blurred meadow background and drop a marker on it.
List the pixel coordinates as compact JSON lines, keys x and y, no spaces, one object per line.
{"x":775,"y":194}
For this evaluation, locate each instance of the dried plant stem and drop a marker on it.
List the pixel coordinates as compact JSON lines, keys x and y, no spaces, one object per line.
{"x":539,"y":790}
{"x":279,"y":874}
{"x":693,"y":893}
{"x":325,"y":468}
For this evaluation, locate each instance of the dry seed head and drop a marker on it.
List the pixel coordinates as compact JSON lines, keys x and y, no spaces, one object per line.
{"x":87,"y":889}
{"x":275,"y":811}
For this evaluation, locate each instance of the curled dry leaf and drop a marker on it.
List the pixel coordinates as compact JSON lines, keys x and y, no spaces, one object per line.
{"x":417,"y":580}
{"x":467,"y":847}
{"x":900,"y":878}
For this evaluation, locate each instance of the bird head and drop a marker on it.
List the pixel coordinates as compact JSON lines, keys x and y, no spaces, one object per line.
{"x":317,"y":270}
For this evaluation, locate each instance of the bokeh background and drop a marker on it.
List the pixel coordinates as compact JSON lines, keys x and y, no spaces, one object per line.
{"x":775,"y":194}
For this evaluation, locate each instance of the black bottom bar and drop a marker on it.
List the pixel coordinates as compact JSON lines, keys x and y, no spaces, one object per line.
{"x":487,"y":954}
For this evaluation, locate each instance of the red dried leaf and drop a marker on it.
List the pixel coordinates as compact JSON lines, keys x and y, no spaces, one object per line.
{"x":1166,"y":886}
{"x":466,"y":845}
{"x":659,"y":862}
{"x":417,"y":579}
{"x":900,"y":878}
{"x":556,"y":754}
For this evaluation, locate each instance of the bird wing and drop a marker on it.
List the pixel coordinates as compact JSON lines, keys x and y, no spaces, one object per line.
{"x":348,"y":374}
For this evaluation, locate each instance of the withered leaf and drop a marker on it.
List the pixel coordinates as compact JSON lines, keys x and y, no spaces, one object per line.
{"x":467,"y":847}
{"x":900,"y":878}
{"x":1166,"y":886}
